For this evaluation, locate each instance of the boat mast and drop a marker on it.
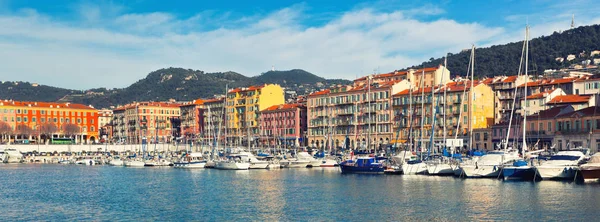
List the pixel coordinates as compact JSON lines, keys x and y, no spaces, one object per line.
{"x":525,"y":89}
{"x":410,"y":119}
{"x":422,"y":87}
{"x":432,"y":119}
{"x":369,"y":111}
{"x":434,"y":111}
{"x":462,"y":100}
{"x":472,"y":100}
{"x":444,"y":107}
{"x":225,"y":125}
{"x":512,"y":110}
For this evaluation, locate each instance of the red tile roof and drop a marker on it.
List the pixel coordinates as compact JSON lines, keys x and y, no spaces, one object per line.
{"x":45,"y":104}
{"x":193,"y":103}
{"x":397,"y":73}
{"x":510,"y":79}
{"x":540,"y":95}
{"x":214,"y":100}
{"x":320,"y":93}
{"x":403,"y":92}
{"x":569,"y":99}
{"x":284,"y":107}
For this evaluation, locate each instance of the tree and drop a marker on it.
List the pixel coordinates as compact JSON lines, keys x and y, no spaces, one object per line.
{"x":70,"y":129}
{"x":24,"y":130}
{"x":5,"y":130}
{"x":47,"y":129}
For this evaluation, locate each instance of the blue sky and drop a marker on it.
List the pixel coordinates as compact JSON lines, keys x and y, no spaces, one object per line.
{"x":84,"y":44}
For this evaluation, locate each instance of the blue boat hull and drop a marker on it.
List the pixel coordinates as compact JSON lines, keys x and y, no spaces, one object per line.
{"x":518,"y":173}
{"x":362,"y":169}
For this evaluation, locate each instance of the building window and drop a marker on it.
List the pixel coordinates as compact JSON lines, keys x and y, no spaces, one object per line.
{"x":549,"y":126}
{"x":33,"y":119}
{"x":18,"y":119}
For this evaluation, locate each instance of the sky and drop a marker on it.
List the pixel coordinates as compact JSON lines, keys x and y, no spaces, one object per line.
{"x":89,"y":44}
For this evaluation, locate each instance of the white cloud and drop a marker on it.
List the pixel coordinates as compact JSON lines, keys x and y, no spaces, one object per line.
{"x":114,"y":49}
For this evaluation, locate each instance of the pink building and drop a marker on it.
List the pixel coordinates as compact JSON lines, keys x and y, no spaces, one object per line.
{"x":283,"y":125}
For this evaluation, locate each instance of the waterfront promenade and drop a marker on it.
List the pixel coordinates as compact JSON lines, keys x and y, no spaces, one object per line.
{"x":25,"y":148}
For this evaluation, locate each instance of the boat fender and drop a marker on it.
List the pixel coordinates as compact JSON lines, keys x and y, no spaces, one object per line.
{"x":477,"y":167}
{"x":495,"y":168}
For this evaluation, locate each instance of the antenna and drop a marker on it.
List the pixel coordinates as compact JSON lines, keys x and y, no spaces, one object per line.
{"x":573,"y":21}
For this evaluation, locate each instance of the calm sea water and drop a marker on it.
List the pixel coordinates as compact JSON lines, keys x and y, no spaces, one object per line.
{"x":99,"y":193}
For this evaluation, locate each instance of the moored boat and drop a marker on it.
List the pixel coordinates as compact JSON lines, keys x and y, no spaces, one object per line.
{"x":591,"y":170}
{"x":362,"y":165}
{"x":561,"y":166}
{"x":233,"y":162}
{"x":488,"y":165}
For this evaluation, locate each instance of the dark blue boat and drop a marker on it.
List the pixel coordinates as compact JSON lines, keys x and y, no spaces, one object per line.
{"x":520,"y":170}
{"x":363,"y":165}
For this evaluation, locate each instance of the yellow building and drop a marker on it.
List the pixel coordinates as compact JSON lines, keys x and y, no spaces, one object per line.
{"x":459,"y":104}
{"x":243,"y":107}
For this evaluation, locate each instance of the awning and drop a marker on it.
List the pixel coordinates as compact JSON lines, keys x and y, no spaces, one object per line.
{"x":398,"y":141}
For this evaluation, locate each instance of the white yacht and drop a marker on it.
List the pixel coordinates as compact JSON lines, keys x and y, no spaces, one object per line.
{"x":562,"y":165}
{"x":116,"y":161}
{"x":440,"y":167}
{"x":191,"y":160}
{"x":489,"y":165}
{"x":233,"y":162}
{"x":328,"y":162}
{"x":409,"y":162}
{"x":134,"y":163}
{"x":312,"y":162}
{"x":86,"y":161}
{"x":11,"y":155}
{"x":254,"y":162}
{"x":294,"y":163}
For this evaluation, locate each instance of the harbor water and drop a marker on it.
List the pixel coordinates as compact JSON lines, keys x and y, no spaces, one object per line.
{"x":35,"y":192}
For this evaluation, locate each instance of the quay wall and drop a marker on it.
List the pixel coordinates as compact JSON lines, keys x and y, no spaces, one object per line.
{"x":24,"y":148}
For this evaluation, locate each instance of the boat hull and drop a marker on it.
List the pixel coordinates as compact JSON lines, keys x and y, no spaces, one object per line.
{"x":556,"y":172}
{"x":190,"y":165}
{"x":483,"y":171}
{"x":590,"y":174}
{"x":518,"y":173}
{"x":315,"y":163}
{"x":416,"y":168}
{"x":328,"y":163}
{"x":258,"y":165}
{"x":294,"y":164}
{"x":351,"y":169}
{"x":232,"y":166}
{"x":134,"y":164}
{"x":440,"y":169}
{"x":116,"y":163}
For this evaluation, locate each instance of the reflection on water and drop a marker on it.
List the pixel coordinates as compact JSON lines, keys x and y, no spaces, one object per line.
{"x":57,"y":192}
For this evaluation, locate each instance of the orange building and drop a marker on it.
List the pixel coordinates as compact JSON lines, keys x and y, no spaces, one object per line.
{"x":34,"y":120}
{"x":155,"y":121}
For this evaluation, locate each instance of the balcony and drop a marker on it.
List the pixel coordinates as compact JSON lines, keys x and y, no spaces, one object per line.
{"x":573,"y":131}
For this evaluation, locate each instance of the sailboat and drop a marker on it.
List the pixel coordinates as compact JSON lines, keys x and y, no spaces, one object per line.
{"x":417,"y":166}
{"x":439,"y":166}
{"x":489,"y":164}
{"x":520,"y":169}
